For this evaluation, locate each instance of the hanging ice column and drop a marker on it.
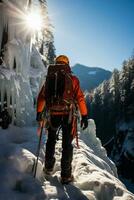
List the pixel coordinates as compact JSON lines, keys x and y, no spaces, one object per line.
{"x":15,"y":50}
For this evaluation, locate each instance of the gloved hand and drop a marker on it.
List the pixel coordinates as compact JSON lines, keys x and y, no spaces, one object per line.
{"x":39,"y":116}
{"x":84,"y":122}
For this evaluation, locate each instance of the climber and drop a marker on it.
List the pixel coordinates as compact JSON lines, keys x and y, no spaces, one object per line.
{"x":61,"y":95}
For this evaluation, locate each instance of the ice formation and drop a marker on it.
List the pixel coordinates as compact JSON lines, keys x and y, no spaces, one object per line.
{"x":21,"y":67}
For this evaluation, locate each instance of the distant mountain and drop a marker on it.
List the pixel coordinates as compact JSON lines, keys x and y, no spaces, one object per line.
{"x":90,"y":77}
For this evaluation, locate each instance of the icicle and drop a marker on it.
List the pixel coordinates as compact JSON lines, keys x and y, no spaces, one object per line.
{"x":8,"y":90}
{"x":2,"y":94}
{"x":13,"y":92}
{"x":1,"y":30}
{"x":13,"y":102}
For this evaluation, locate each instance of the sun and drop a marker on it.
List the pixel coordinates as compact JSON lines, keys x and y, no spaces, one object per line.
{"x":34,"y":21}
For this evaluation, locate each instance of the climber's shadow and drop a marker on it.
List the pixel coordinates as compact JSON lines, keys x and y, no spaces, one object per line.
{"x":66,"y":192}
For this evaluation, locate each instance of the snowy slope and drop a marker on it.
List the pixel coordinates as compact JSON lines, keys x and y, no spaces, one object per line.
{"x":95,"y":175}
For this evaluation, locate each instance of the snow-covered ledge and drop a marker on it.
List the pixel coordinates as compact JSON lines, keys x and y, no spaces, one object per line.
{"x":95,"y":175}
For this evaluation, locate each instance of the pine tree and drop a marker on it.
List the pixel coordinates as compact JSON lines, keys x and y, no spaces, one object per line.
{"x":47,"y":47}
{"x":116,"y":95}
{"x":113,"y":100}
{"x":126,"y":92}
{"x":50,"y":48}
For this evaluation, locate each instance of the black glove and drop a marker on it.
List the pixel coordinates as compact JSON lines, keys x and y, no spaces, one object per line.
{"x":39,"y":116}
{"x":84,"y":122}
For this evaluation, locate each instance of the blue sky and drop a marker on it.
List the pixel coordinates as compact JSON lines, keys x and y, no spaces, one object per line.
{"x":93,"y":32}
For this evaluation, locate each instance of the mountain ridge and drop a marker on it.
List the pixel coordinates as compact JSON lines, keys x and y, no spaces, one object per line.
{"x":90,"y":77}
{"x":91,"y":67}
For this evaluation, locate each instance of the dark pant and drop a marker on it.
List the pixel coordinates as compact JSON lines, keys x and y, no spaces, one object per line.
{"x":67,"y":148}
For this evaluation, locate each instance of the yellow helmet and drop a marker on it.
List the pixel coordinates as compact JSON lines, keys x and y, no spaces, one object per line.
{"x":62,"y":59}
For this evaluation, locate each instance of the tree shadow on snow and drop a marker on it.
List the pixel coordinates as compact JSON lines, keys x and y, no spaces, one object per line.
{"x":66,"y":192}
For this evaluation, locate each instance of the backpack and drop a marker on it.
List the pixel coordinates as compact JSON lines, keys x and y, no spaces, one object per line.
{"x":59,"y":88}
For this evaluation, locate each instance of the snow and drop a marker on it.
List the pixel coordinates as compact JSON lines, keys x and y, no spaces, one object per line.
{"x":37,"y":72}
{"x":95,"y":176}
{"x":92,"y":72}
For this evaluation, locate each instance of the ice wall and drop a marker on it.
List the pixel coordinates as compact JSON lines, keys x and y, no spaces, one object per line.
{"x":19,"y":83}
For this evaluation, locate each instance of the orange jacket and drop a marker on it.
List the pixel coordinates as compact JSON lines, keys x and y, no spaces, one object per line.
{"x":78,"y":95}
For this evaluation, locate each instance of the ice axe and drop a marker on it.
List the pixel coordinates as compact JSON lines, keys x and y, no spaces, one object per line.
{"x":34,"y":169}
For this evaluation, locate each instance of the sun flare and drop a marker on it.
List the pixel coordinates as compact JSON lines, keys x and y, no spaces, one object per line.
{"x":34,"y":21}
